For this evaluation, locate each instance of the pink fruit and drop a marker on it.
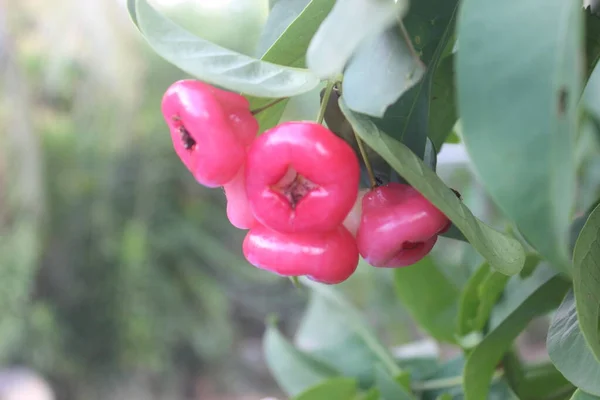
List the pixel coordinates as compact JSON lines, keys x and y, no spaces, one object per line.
{"x":327,"y":257}
{"x":210,"y":128}
{"x":301,"y":177}
{"x":399,"y":226}
{"x":238,"y":208}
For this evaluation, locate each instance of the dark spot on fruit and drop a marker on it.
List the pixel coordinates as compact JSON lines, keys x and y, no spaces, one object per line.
{"x":563,"y":97}
{"x":411,"y":245}
{"x":186,"y":138}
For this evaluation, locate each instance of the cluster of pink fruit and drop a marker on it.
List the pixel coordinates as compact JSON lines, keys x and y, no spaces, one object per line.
{"x":296,"y":189}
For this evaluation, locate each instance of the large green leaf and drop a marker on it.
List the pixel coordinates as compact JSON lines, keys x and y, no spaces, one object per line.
{"x":480,"y":295}
{"x":586,"y":280}
{"x":333,"y":389}
{"x":345,"y":28}
{"x":407,"y":120}
{"x":381,"y":70}
{"x":478,"y":298}
{"x":568,"y":350}
{"x":442,"y":112}
{"x":518,"y":103}
{"x":429,"y":297}
{"x":294,"y":370}
{"x":504,"y":253}
{"x":537,"y":294}
{"x":581,"y":395}
{"x":217,"y":65}
{"x":290,"y":50}
{"x":333,"y":331}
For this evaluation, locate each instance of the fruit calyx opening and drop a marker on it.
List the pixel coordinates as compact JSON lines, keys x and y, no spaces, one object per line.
{"x":294,"y":187}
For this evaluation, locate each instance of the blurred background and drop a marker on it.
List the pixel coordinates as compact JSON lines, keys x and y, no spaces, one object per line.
{"x":120,"y":276}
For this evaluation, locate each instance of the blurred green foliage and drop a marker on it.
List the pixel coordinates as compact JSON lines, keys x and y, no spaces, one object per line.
{"x":112,"y":258}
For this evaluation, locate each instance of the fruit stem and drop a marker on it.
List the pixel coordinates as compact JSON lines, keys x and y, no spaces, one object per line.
{"x":325,"y":101}
{"x":295,"y":282}
{"x":409,"y":42}
{"x":271,"y":104}
{"x":363,"y":154}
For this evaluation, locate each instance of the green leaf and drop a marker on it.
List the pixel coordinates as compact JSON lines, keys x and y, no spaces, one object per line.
{"x":345,"y":28}
{"x":537,"y":294}
{"x":407,"y":120}
{"x":568,"y":350}
{"x":446,"y":380}
{"x":281,"y":15}
{"x":294,"y":370}
{"x":504,"y":253}
{"x":390,"y":388}
{"x":581,"y":395}
{"x":132,"y":12}
{"x":478,"y":298}
{"x":543,"y":381}
{"x":335,"y":333}
{"x":333,"y":389}
{"x":592,"y":40}
{"x":576,"y":227}
{"x":442,"y":112}
{"x":514,"y":373}
{"x":480,"y":294}
{"x":381,"y":70}
{"x":290,"y":50}
{"x":418,"y":366}
{"x":591,"y":95}
{"x":338,"y":124}
{"x":586,"y":280}
{"x":217,"y":65}
{"x":518,"y":103}
{"x":430,"y":157}
{"x":371,"y":394}
{"x":429,"y":297}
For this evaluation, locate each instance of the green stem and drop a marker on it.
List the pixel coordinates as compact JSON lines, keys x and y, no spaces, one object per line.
{"x":325,"y":102}
{"x":409,"y":43}
{"x":271,"y":104}
{"x":446,"y":383}
{"x":363,"y":154}
{"x":295,"y":281}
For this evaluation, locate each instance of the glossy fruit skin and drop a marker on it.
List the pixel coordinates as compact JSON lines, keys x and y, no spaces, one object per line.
{"x":398,"y":227}
{"x":326,"y":257}
{"x":330,"y":178}
{"x":211,"y":129}
{"x":238,"y":208}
